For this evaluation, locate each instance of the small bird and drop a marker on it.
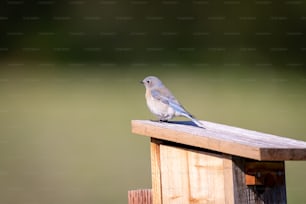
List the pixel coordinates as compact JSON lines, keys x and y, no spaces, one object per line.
{"x":162,"y":103}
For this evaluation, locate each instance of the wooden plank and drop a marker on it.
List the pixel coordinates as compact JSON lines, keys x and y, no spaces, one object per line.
{"x":174,"y":178}
{"x":142,"y":196}
{"x":228,"y":179}
{"x":195,"y":177}
{"x":225,"y":139}
{"x":155,"y":171}
{"x":206,"y":177}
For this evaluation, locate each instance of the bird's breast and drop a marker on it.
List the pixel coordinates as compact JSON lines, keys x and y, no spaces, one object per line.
{"x":159,"y":108}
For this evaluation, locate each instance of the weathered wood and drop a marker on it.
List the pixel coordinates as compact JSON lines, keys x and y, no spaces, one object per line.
{"x":264,"y":173}
{"x":256,"y":194}
{"x":188,"y":175}
{"x":142,"y":196}
{"x":225,"y":139}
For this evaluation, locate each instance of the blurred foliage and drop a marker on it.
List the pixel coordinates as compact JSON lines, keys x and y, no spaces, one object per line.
{"x":153,"y":31}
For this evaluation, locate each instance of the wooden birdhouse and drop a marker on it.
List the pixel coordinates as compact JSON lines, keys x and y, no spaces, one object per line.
{"x":218,"y":164}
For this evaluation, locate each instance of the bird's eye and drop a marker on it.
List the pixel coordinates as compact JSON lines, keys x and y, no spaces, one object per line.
{"x":148,"y":81}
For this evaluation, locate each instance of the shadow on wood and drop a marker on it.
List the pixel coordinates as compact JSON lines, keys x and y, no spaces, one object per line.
{"x":187,"y":122}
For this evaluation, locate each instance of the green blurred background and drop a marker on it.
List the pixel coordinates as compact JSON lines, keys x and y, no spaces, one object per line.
{"x":69,"y":87}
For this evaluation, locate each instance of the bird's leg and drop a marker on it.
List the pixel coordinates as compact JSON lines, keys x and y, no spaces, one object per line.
{"x":161,"y":120}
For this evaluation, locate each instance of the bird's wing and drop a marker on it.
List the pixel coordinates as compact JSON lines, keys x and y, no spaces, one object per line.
{"x":158,"y":95}
{"x":165,"y":96}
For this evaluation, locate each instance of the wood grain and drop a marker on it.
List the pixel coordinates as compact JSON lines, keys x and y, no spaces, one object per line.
{"x":195,"y":177}
{"x":141,"y":196}
{"x":155,"y":171}
{"x":226,"y":139}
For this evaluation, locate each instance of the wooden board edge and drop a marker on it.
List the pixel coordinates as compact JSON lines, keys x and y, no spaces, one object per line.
{"x":267,"y":154}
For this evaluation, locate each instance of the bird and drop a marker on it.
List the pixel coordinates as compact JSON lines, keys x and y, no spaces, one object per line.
{"x":162,"y":103}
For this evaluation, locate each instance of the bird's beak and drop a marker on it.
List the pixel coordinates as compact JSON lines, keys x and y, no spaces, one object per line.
{"x":141,"y":82}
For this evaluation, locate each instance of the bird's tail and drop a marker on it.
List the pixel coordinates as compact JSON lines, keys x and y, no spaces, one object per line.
{"x":198,"y":123}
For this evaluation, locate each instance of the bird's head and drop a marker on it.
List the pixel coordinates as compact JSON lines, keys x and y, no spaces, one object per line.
{"x":151,"y":82}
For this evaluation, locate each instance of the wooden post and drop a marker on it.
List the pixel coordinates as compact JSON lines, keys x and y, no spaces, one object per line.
{"x":143,"y":196}
{"x":219,"y":164}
